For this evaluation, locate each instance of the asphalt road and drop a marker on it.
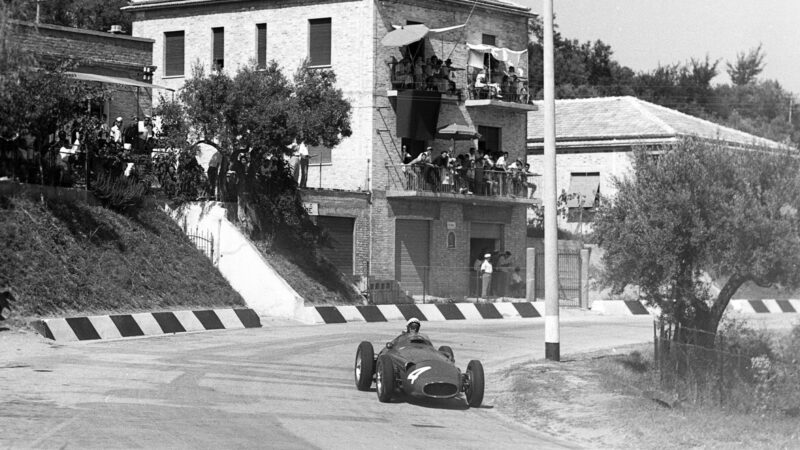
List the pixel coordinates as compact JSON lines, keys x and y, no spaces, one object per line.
{"x":282,"y":386}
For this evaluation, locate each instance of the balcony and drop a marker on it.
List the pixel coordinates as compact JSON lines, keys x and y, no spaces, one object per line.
{"x":457,"y":84}
{"x":459,"y":185}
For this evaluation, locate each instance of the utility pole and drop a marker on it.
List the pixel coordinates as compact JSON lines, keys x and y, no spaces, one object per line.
{"x":551,"y":320}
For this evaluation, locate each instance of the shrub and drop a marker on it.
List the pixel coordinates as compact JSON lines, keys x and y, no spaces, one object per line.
{"x":120,"y":193}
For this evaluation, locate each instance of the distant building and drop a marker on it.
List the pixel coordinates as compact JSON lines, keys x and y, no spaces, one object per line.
{"x":384,"y":226}
{"x":117,"y":60}
{"x":595,"y":137}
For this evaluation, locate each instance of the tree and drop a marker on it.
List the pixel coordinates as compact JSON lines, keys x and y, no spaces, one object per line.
{"x":252,"y":118}
{"x":96,"y":15}
{"x":697,"y":209}
{"x":747,"y":66}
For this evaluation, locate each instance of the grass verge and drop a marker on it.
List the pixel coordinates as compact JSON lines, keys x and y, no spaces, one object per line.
{"x":66,"y":258}
{"x":607,"y":401}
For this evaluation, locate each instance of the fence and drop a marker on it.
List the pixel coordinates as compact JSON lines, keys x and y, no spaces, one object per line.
{"x":480,"y":182}
{"x":204,"y":241}
{"x":705,"y":367}
{"x":569,"y":278}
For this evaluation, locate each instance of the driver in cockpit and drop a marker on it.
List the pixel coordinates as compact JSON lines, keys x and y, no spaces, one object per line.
{"x":411,"y":334}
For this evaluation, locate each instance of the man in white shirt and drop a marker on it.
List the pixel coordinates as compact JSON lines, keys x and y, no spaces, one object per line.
{"x":116,"y":130}
{"x":486,"y":275}
{"x":302,"y":151}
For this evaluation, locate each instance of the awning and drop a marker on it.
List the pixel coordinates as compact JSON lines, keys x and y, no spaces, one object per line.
{"x":408,"y":34}
{"x":113,"y":80}
{"x":583,"y":191}
{"x":476,"y":52}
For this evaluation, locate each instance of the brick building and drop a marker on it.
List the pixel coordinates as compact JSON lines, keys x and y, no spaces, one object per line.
{"x":116,"y":60}
{"x":595,"y":137}
{"x":424,"y":236}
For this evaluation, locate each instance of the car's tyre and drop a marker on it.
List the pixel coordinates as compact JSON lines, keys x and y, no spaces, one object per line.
{"x":364,"y":366}
{"x":384,"y":379}
{"x":475,"y":389}
{"x":448,"y":351}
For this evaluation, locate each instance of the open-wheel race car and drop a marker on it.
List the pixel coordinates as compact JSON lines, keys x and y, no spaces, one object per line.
{"x":410,"y":364}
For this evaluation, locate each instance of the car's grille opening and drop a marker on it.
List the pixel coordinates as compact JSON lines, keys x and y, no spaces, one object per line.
{"x":440,"y":389}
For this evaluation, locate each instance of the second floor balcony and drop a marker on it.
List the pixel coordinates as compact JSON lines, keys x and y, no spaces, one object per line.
{"x":458,"y":184}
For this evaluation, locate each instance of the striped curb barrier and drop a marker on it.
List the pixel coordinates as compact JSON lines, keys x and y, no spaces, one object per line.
{"x":765,"y":306}
{"x":117,"y":326}
{"x":621,"y":308}
{"x":426,"y":312}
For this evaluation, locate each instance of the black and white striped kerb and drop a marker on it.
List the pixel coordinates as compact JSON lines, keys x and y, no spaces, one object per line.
{"x":427,"y":312}
{"x":766,"y":306}
{"x":145,"y":324}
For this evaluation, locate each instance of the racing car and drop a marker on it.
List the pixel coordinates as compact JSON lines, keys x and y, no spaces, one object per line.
{"x":410,"y":364}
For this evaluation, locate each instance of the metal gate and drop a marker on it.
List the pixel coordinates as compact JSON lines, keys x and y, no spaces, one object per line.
{"x":569,"y":278}
{"x":204,"y":241}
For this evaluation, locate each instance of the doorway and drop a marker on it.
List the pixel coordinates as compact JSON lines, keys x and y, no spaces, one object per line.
{"x":477,"y":248}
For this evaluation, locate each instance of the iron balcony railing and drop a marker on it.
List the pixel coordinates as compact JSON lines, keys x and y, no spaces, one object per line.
{"x":480,"y":182}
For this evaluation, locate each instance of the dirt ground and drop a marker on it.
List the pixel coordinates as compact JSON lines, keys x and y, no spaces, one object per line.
{"x":564,"y":399}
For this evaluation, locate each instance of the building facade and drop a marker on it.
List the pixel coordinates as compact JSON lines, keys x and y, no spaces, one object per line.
{"x":595,"y":138}
{"x":117,"y":59}
{"x":420,"y":228}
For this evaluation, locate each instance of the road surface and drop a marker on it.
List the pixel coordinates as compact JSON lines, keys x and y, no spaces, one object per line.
{"x":281,"y":386}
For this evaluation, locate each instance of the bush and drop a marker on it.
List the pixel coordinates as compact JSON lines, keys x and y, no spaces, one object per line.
{"x":120,"y":194}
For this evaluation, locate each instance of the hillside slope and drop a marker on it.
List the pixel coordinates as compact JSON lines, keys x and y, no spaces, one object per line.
{"x":64,"y":258}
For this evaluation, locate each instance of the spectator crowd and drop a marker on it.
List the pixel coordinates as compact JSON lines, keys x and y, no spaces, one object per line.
{"x":478,"y":172}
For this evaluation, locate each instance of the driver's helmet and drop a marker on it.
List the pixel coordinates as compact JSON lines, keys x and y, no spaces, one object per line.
{"x":412,"y":325}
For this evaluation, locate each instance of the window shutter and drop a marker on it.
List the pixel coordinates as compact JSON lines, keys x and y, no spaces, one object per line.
{"x":319,"y":45}
{"x":218,"y":56}
{"x":173,"y":53}
{"x":261,"y":45}
{"x":489,"y":39}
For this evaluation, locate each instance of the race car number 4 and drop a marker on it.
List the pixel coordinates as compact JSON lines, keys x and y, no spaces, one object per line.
{"x":415,"y":374}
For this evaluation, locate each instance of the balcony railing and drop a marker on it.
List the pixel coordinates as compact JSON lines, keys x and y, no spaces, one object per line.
{"x":461,"y":83}
{"x":466,"y":182}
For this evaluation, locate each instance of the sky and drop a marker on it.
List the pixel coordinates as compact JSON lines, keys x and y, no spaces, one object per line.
{"x":646,"y":33}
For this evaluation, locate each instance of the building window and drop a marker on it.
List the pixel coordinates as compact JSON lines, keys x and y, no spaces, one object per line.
{"x":319,"y":155}
{"x":451,"y":240}
{"x":319,"y":42}
{"x":582,"y":197}
{"x":173,"y":53}
{"x":490,"y":139}
{"x":261,"y":45}
{"x":489,"y":39}
{"x":218,"y":56}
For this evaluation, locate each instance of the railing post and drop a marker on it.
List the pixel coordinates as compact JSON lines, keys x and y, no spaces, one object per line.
{"x":530,"y":274}
{"x":585,"y":254}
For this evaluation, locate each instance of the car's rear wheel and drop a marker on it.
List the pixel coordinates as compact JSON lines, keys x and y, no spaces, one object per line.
{"x":364,"y":366}
{"x":448,"y":351}
{"x":475,"y":389}
{"x":384,"y":378}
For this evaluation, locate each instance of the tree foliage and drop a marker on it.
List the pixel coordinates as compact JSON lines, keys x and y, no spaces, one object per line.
{"x":700,"y":209}
{"x":252,"y":118}
{"x":747,"y":66}
{"x":96,"y":15}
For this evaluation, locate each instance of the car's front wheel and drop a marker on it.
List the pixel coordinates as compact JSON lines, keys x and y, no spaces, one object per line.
{"x":364,"y":366}
{"x":384,"y":378}
{"x":474,"y":390}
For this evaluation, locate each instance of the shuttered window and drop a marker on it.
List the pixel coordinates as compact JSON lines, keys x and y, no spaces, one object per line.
{"x":489,"y":39}
{"x":218,"y":57}
{"x":261,"y":45}
{"x":173,"y":53}
{"x":319,"y":42}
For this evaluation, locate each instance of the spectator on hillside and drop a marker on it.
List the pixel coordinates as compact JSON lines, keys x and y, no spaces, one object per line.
{"x":116,"y":130}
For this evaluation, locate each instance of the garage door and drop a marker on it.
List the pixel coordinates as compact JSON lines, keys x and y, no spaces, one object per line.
{"x":341,"y":233}
{"x":412,"y":255}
